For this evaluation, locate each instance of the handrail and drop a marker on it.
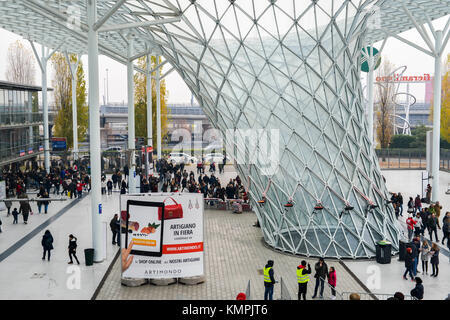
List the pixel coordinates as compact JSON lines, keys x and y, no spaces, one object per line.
{"x":377,"y":296}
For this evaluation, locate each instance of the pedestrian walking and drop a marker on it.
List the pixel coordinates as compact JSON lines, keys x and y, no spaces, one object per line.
{"x":409,"y":262}
{"x":109,"y":185}
{"x":15,"y":215}
{"x":410,"y":224}
{"x":44,"y":195}
{"x":303,"y":279}
{"x":434,"y":259}
{"x":321,"y":269}
{"x":269,"y":280}
{"x":432,"y":226}
{"x":25,"y":210}
{"x":446,"y":227}
{"x":418,"y":225}
{"x":332,"y":282}
{"x":73,"y":248}
{"x":47,"y":244}
{"x":114,"y":224}
{"x":8,"y":205}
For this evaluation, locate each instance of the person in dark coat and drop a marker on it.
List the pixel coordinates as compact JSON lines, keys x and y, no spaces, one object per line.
{"x":25,"y":210}
{"x":47,"y":244}
{"x":435,"y":259}
{"x":409,"y":263}
{"x":115,"y":228}
{"x":123,"y":189}
{"x":73,"y":248}
{"x":321,"y":274}
{"x":109,"y":185}
{"x":418,"y":290}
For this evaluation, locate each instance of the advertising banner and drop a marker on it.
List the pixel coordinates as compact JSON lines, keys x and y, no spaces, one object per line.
{"x":162,"y":235}
{"x":2,"y":195}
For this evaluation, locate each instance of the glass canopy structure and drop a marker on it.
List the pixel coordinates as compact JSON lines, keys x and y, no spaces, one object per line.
{"x":287,"y":65}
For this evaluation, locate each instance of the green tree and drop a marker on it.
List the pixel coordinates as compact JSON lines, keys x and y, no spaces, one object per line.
{"x":445,"y":103}
{"x":140,"y":102}
{"x":401,"y":141}
{"x":62,"y":90}
{"x":420,"y":137}
{"x":384,"y":108}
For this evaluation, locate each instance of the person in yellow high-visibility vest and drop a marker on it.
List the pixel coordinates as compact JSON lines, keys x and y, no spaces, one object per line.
{"x":303,"y":279}
{"x":269,"y":280}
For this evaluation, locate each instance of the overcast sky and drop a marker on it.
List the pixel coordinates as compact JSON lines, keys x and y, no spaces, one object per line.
{"x":400,"y":54}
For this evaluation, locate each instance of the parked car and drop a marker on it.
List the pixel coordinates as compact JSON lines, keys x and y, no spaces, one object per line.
{"x":179,"y":157}
{"x":118,"y":149}
{"x":214,"y":157}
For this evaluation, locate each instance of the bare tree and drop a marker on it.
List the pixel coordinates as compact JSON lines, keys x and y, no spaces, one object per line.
{"x":21,"y":64}
{"x":384,"y":107}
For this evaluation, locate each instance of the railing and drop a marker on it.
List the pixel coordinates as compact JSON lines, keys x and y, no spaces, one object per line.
{"x":374,"y":296}
{"x":409,"y":159}
{"x":20,"y":151}
{"x":20,"y":118}
{"x":227,"y":204}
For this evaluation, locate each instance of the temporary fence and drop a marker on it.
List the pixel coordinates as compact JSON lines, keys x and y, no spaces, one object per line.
{"x":414,"y":159}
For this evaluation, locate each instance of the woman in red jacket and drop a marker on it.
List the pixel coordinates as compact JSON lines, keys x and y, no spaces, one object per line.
{"x":332,"y":282}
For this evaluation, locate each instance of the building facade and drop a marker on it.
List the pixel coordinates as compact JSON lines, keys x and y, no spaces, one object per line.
{"x":21,"y":123}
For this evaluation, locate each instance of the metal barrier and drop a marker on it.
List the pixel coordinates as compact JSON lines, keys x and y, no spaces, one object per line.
{"x":327,"y":292}
{"x":374,"y":296}
{"x":284,"y":291}
{"x":227,"y":204}
{"x":410,"y":159}
{"x":248,"y":292}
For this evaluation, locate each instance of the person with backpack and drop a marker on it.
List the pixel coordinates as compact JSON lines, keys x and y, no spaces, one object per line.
{"x":332,"y":282}
{"x":47,"y":244}
{"x":269,"y":280}
{"x":72,"y":249}
{"x":303,"y":279}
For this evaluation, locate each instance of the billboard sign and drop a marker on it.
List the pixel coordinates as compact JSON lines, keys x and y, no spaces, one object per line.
{"x":162,"y":235}
{"x":59,"y":144}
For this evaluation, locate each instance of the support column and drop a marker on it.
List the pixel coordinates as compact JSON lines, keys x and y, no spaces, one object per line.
{"x":98,"y":242}
{"x":370,"y":85}
{"x":30,"y":128}
{"x":74,"y":68}
{"x":158,"y":107}
{"x":149,"y":103}
{"x":436,"y":117}
{"x":45,"y":111}
{"x":131,"y":124}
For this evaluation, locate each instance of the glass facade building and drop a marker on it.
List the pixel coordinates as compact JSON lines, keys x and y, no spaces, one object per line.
{"x":19,"y":122}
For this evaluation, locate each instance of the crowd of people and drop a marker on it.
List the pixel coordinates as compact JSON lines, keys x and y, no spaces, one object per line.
{"x":69,"y":180}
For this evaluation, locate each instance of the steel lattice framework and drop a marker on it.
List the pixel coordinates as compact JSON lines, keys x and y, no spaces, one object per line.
{"x":287,"y":65}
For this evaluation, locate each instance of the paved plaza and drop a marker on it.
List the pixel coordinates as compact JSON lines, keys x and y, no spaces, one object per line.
{"x":234,"y":254}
